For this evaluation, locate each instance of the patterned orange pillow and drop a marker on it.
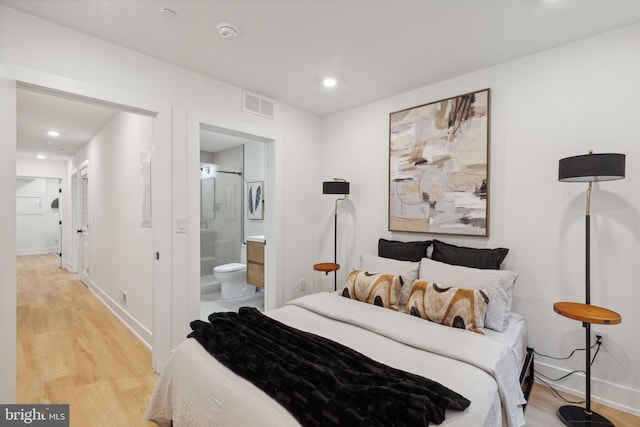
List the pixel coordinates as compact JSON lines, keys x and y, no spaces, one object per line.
{"x":451,"y":306}
{"x":373,"y":288}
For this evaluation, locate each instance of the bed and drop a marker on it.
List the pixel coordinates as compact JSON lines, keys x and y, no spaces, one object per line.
{"x":490,"y":368}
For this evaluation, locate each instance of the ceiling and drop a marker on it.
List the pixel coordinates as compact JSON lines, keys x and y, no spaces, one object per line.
{"x":75,"y":121}
{"x":375,"y":48}
{"x":78,"y":121}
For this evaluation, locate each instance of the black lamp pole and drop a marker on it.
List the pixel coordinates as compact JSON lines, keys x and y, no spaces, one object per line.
{"x":587,"y":293}
{"x":588,"y":168}
{"x":335,"y":245}
{"x":337,"y":186}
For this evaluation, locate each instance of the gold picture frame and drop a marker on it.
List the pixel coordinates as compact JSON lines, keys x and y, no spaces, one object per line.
{"x":439,"y":166}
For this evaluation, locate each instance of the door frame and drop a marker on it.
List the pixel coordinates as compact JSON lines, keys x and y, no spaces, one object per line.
{"x":274,"y":290}
{"x":82,"y":249}
{"x":8,"y":308}
{"x":72,"y":262}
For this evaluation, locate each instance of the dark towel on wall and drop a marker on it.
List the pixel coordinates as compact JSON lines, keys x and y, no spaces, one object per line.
{"x":321,"y":382}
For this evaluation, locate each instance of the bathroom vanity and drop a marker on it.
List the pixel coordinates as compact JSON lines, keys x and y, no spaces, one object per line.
{"x":255,"y":261}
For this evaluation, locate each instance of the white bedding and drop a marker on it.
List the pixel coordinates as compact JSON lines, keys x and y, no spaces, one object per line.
{"x":514,"y":336}
{"x":196,"y":390}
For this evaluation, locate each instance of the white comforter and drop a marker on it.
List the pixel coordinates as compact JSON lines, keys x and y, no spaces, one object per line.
{"x":196,"y":390}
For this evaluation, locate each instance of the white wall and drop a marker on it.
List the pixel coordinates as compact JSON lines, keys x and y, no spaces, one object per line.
{"x":254,"y":161}
{"x":38,"y":52}
{"x":544,"y":107}
{"x":53,"y":169}
{"x":38,"y":233}
{"x":120,"y":248}
{"x":41,"y":168}
{"x":8,"y":246}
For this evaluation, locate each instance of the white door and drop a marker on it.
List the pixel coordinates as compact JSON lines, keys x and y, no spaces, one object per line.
{"x":82,"y":230}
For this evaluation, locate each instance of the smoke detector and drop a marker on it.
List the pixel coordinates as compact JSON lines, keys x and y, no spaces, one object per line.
{"x":169,"y":13}
{"x":227,"y":31}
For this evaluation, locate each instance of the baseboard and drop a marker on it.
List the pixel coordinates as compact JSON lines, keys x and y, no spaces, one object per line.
{"x":137,"y":329}
{"x":606,"y":393}
{"x":37,"y":251}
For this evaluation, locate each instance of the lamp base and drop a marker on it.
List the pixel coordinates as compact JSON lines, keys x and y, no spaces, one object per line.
{"x":578,"y":416}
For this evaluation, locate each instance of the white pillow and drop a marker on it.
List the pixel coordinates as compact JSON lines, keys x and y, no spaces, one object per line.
{"x":498,"y":283}
{"x":408,"y":270}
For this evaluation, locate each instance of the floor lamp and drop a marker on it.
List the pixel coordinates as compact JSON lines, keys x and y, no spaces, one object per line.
{"x":588,"y":168}
{"x":337,"y":186}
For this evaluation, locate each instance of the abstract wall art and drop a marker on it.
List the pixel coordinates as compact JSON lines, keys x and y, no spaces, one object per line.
{"x":439,"y":166}
{"x":255,"y":200}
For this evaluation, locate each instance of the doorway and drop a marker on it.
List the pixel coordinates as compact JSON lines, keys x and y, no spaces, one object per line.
{"x":228,"y":163}
{"x":37,"y":215}
{"x":267,"y":138}
{"x":77,"y":216}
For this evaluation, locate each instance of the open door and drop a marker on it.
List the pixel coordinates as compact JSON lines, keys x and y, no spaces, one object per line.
{"x":82,"y":230}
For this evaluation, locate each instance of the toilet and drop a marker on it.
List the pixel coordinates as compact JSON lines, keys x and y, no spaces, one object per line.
{"x":233,"y":278}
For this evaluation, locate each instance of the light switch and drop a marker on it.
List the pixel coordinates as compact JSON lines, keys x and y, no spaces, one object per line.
{"x":181,"y":224}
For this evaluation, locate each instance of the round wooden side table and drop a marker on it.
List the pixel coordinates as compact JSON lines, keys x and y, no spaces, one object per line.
{"x":578,"y":416}
{"x":327,"y":267}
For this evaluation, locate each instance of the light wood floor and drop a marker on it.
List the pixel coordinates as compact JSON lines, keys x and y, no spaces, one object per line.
{"x":543,"y":406}
{"x":71,"y":349}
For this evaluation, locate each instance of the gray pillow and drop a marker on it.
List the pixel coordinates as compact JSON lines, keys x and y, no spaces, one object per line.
{"x":403,"y":251}
{"x":488,"y":259}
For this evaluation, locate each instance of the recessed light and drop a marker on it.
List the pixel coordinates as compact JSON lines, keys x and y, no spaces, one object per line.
{"x":41,"y":156}
{"x":329,"y":82}
{"x":53,"y":133}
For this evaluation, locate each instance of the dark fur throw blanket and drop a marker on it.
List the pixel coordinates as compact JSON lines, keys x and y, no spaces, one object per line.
{"x":321,"y":382}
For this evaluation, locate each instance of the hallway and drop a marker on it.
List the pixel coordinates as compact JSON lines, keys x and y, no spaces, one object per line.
{"x":72,"y":349}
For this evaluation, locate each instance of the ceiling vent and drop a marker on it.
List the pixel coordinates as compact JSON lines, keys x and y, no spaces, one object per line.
{"x":259,"y":105}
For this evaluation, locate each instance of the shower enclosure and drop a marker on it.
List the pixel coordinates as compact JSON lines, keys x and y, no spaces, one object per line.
{"x":221,"y":220}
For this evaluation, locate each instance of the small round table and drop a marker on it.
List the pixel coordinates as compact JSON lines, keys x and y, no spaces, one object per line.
{"x":587,"y":313}
{"x":578,"y":416}
{"x":327,"y":267}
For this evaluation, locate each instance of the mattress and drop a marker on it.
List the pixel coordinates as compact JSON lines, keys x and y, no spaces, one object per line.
{"x":196,"y":390}
{"x":514,"y":336}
